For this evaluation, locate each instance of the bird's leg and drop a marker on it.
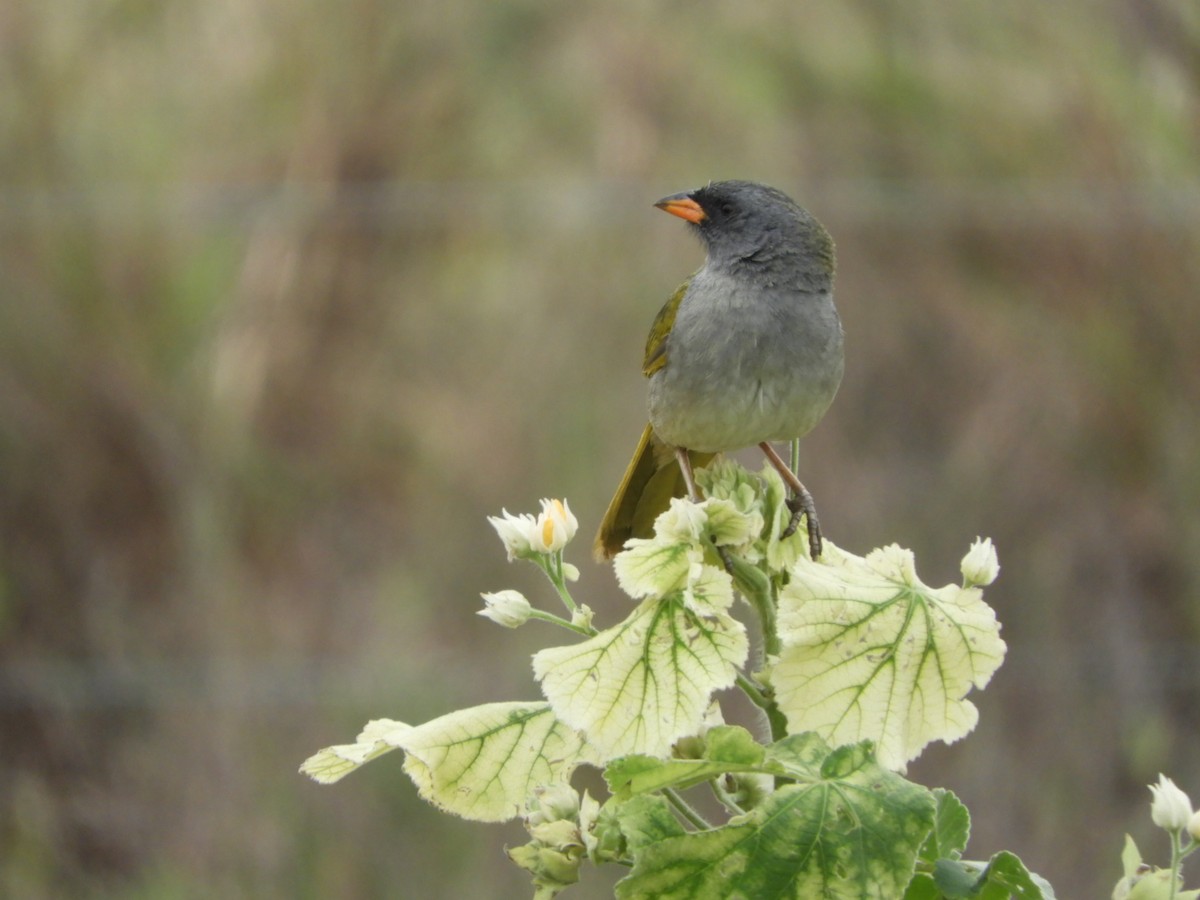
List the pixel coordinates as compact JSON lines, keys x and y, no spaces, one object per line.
{"x":689,"y":479}
{"x":801,"y":503}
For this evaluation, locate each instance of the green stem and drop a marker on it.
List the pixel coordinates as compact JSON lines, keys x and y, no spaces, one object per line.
{"x":751,"y":690}
{"x":685,"y":809}
{"x":759,"y":591}
{"x":725,"y":800}
{"x":776,"y":720}
{"x":552,"y":565}
{"x":1178,"y":852}
{"x":794,"y":456}
{"x":543,"y":616}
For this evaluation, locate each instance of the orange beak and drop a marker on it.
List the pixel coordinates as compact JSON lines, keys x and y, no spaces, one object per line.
{"x":683,"y":206}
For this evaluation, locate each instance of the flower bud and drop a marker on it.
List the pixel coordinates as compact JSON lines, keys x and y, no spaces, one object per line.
{"x":508,"y":608}
{"x":554,"y":527}
{"x":1194,"y":826}
{"x":516,"y":533}
{"x":1170,"y":809}
{"x":552,"y":802}
{"x":980,"y":566}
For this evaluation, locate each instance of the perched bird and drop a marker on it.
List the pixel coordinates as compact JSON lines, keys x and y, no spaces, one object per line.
{"x":747,"y":351}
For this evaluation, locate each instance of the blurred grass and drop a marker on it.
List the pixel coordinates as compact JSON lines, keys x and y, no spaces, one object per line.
{"x":294,"y":296}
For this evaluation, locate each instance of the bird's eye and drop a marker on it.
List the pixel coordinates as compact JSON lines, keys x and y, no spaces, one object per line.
{"x":727,"y":209}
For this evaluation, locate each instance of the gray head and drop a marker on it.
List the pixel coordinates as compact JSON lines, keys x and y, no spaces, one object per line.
{"x":755,"y":229}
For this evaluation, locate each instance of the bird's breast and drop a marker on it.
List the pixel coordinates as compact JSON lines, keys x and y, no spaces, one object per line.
{"x":746,"y":365}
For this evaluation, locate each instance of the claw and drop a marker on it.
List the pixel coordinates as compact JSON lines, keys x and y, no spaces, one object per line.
{"x":802,"y":505}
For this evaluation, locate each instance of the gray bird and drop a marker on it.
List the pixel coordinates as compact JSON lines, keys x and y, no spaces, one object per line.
{"x":747,"y":351}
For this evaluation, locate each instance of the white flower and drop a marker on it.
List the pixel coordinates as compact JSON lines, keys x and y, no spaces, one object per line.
{"x":554,"y":527}
{"x":1194,"y":826}
{"x":1170,"y":809}
{"x":507,"y":608}
{"x":517,"y":533}
{"x":980,"y":566}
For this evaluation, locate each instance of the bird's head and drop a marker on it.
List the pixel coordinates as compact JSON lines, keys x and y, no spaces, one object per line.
{"x":748,"y":226}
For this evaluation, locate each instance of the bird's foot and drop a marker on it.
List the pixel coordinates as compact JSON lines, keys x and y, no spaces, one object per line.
{"x":801,"y":505}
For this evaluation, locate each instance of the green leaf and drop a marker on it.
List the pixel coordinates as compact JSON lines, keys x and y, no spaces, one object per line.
{"x":872,"y":653}
{"x":728,"y":748}
{"x":640,"y":686}
{"x":1002,"y":878}
{"x":923,"y":887}
{"x":850,"y":829}
{"x":1007,"y":871}
{"x":645,"y":820}
{"x":483,"y":763}
{"x":957,"y":880}
{"x":952,"y":828}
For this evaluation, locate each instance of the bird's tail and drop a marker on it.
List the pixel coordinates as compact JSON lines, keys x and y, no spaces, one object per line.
{"x":651,"y":480}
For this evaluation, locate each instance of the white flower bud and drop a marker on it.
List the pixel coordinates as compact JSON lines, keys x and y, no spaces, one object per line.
{"x":1194,"y":826}
{"x":516,"y":532}
{"x":1170,"y":809}
{"x":554,"y":527}
{"x":980,"y":566}
{"x":507,"y":608}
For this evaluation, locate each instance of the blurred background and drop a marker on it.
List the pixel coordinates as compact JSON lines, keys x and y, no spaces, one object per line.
{"x":294,"y":294}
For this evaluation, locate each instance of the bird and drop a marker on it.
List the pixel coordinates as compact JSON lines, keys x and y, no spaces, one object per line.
{"x":747,"y":351}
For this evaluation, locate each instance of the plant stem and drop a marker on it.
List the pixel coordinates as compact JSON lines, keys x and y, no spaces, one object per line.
{"x":759,"y":591}
{"x":543,"y":616}
{"x":776,"y":720}
{"x":1176,"y":861}
{"x":685,"y":809}
{"x":751,"y":690}
{"x":553,"y":567}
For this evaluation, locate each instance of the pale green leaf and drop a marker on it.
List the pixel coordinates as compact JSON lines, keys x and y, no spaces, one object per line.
{"x":1156,"y":885}
{"x":781,"y":554}
{"x":709,"y":591}
{"x":655,"y":567}
{"x":484,"y":762}
{"x":729,"y":526}
{"x":846,"y":830}
{"x":643,"y":684}
{"x":335,"y":763}
{"x":870,"y":652}
{"x":1131,"y":857}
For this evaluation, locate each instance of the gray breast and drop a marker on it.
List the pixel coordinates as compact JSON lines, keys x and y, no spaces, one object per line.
{"x":745,"y":366}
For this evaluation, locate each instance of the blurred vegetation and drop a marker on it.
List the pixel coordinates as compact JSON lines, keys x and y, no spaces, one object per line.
{"x":293,"y":294}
